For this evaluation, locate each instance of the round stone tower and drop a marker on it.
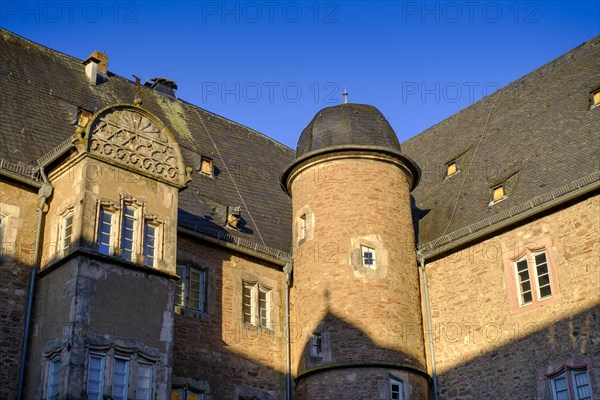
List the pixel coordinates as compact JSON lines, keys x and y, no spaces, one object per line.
{"x":356,"y":307}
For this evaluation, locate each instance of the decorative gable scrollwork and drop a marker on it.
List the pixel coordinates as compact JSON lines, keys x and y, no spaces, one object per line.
{"x":135,"y":139}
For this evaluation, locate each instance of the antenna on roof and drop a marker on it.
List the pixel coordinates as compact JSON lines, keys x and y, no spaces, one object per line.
{"x":137,"y":100}
{"x":345,"y":94}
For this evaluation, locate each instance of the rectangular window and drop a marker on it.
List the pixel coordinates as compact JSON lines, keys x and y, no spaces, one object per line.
{"x":53,"y":384}
{"x":150,"y":244}
{"x":571,"y":385}
{"x":498,"y":193}
{"x":256,"y":304}
{"x":105,"y":221}
{"x":120,"y":381}
{"x":533,"y":276}
{"x":95,"y":382}
{"x":66,"y":233}
{"x":248,"y":304}
{"x":396,"y":389}
{"x":302,"y":227}
{"x":143,"y":390}
{"x":191,"y":288}
{"x":316,"y":345}
{"x":128,"y":227}
{"x":368,"y":257}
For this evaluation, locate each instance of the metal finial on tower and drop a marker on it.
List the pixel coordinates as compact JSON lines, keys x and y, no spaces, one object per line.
{"x":345,"y":94}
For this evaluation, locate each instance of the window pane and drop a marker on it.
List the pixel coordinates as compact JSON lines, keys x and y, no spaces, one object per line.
{"x":543,"y":275}
{"x":247,"y":304}
{"x":368,"y":257}
{"x":67,"y":233}
{"x":120,"y":379}
{"x":177,"y":394}
{"x":95,"y":382}
{"x":526,"y":295}
{"x":263,"y":306}
{"x":104,"y":231}
{"x":53,"y":386}
{"x":128,"y":233}
{"x":149,"y":244}
{"x":144,"y":382}
{"x":582,"y":386}
{"x":197,"y":289}
{"x":180,"y":286}
{"x":559,"y":386}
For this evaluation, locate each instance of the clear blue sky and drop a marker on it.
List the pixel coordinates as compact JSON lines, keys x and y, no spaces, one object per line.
{"x":271,"y":65}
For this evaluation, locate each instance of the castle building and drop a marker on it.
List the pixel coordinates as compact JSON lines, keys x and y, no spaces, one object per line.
{"x":151,"y":249}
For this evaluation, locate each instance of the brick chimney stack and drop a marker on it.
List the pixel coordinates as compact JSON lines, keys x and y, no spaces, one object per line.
{"x":103,"y":61}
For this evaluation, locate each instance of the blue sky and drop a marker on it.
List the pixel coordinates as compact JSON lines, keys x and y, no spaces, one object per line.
{"x":271,"y":65}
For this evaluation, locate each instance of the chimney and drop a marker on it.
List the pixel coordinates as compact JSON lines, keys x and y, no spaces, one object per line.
{"x":96,"y":63}
{"x":164,"y":85}
{"x":91,"y":70}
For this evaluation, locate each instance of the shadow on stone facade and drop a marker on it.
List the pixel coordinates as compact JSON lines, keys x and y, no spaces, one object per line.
{"x":512,"y":359}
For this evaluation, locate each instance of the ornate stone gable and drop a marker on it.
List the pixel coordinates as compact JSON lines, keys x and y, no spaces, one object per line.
{"x":133,"y":138}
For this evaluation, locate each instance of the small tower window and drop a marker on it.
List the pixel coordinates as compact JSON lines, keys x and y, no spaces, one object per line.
{"x":316,"y":345}
{"x":396,"y":389}
{"x":206,"y":166}
{"x":368,"y":257}
{"x":451,"y":169}
{"x":302,"y":227}
{"x":498,"y":194}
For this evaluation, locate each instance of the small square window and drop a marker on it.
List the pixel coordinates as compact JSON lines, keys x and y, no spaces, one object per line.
{"x":206,"y":166}
{"x":451,"y":168}
{"x":368,"y":257}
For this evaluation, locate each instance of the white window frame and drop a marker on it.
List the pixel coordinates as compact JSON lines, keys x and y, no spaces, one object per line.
{"x":534,"y":277}
{"x":396,"y":389}
{"x":64,"y":249}
{"x":368,"y":262}
{"x":570,"y":377}
{"x":186,"y":290}
{"x":139,"y":395}
{"x":106,"y":230}
{"x":257,"y":298}
{"x":127,"y":362}
{"x":150,"y":253}
{"x":53,"y":379}
{"x":135,"y":218}
{"x":100,"y":394}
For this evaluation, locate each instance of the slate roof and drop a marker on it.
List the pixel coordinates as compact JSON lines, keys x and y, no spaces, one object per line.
{"x":536,"y":136}
{"x":347,"y":124}
{"x":540,"y":136}
{"x":42,"y":89}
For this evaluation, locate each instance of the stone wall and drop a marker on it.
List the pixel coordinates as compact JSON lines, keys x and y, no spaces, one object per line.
{"x":486,"y":344}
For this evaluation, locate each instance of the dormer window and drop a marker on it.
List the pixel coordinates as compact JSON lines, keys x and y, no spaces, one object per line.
{"x":595,"y":98}
{"x":498,"y":194}
{"x":451,"y":169}
{"x":206,"y":166}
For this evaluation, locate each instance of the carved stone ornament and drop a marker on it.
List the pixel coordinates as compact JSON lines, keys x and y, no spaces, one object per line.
{"x":133,"y":138}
